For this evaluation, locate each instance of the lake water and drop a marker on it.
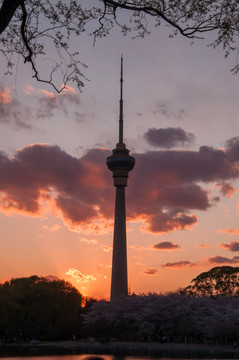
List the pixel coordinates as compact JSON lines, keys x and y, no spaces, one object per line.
{"x":86,"y":357}
{"x":90,"y":357}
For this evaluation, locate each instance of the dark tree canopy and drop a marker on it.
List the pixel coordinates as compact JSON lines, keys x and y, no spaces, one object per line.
{"x":220,"y":280}
{"x":27,"y":27}
{"x":37,"y":308}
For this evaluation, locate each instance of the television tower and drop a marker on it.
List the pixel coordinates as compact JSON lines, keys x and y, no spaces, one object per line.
{"x":120,"y":163}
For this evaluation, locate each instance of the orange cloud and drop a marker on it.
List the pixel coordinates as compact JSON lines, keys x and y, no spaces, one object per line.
{"x":203,"y":245}
{"x":136,"y":247}
{"x":108,"y":248}
{"x":48,"y":94}
{"x":53,"y":228}
{"x":78,"y":276}
{"x":29,"y":90}
{"x":229,"y":231}
{"x":5,"y":96}
{"x":68,"y":89}
{"x":89,"y":241}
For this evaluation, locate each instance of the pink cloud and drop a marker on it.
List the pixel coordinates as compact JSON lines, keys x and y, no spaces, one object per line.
{"x":166,"y":245}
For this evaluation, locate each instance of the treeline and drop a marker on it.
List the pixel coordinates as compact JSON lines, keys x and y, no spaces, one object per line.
{"x":37,"y":308}
{"x":174,"y":317}
{"x":207,"y":310}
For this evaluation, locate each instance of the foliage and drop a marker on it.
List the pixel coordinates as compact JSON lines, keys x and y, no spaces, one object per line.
{"x":37,"y":308}
{"x":171,"y":317}
{"x":30,"y":27}
{"x":220,"y":280}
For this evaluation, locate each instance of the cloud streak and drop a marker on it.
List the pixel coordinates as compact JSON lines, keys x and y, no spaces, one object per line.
{"x":150,"y":272}
{"x":229,"y":231}
{"x":178,"y":264}
{"x":223,"y":260}
{"x":166,"y":109}
{"x":166,"y":245}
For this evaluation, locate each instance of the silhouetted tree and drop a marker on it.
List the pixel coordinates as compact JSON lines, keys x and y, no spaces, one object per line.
{"x":38,"y":308}
{"x":29,"y":26}
{"x":220,"y":280}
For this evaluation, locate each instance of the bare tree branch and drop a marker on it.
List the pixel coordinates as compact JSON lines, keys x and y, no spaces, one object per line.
{"x":27,"y":27}
{"x":29,"y":57}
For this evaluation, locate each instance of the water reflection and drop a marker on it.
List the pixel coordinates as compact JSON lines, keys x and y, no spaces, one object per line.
{"x":99,"y":357}
{"x":91,"y":357}
{"x":78,"y":357}
{"x":87,"y":357}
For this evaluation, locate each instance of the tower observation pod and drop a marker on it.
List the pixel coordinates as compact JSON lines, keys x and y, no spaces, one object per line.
{"x":120,"y":163}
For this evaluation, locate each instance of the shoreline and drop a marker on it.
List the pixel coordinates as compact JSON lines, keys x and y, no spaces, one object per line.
{"x":165,"y":350}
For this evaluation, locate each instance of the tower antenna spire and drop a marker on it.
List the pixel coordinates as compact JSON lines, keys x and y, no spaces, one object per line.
{"x":121,"y":104}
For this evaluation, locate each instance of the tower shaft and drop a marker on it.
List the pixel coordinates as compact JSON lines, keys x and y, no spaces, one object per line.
{"x":119,"y":277}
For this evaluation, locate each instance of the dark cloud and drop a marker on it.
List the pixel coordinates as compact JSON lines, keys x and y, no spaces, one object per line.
{"x":232,"y":146}
{"x":232,"y":246}
{"x":223,"y":260}
{"x":166,"y":245}
{"x":162,"y":223}
{"x":169,"y":137}
{"x":150,"y":271}
{"x":163,"y":188}
{"x":42,"y":172}
{"x":178,"y":264}
{"x":174,"y":167}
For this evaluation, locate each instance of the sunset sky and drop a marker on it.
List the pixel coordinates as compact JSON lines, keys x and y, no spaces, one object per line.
{"x":181,"y":105}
